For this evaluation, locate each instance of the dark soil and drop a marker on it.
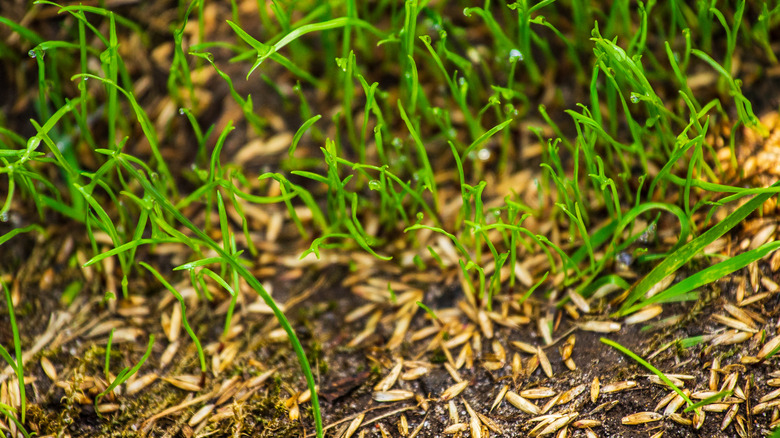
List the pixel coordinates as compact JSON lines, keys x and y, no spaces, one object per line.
{"x":38,"y":270}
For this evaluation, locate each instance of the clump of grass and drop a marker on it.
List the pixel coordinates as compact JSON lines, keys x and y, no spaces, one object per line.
{"x":417,"y":160}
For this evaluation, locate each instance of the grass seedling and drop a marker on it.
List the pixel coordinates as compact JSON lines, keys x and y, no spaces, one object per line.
{"x":651,"y":368}
{"x":16,"y":364}
{"x":125,"y":373}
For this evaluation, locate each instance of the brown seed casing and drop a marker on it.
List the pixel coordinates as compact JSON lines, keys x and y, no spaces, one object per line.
{"x":571,"y":394}
{"x":521,"y":403}
{"x":641,"y":418}
{"x":618,"y":386}
{"x":499,"y":397}
{"x":595,"y":387}
{"x":389,"y":380}
{"x":540,"y":392}
{"x":454,"y":390}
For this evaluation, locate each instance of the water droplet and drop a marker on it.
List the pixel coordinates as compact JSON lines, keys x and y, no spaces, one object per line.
{"x":182,"y":111}
{"x":461,"y":81}
{"x":374,"y":185}
{"x":634,"y":98}
{"x":32,"y":53}
{"x":342,"y":63}
{"x":154,"y":176}
{"x":483,"y":154}
{"x":4,"y":216}
{"x":649,"y":235}
{"x":515,"y":56}
{"x":624,"y":258}
{"x":397,"y":143}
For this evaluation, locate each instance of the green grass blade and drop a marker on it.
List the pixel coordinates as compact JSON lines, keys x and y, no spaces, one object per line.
{"x":678,"y":258}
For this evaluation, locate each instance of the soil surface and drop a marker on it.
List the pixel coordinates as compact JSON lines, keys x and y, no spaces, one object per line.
{"x":355,"y":332}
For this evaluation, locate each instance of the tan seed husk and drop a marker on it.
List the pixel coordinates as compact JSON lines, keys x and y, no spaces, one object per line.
{"x":453,"y":372}
{"x":675,"y":404}
{"x":423,"y":333}
{"x":499,"y":351}
{"x":475,"y":425}
{"x":729,"y":417}
{"x":393,"y":395}
{"x":354,"y":425}
{"x":586,"y":423}
{"x":414,"y":373}
{"x":557,"y":424}
{"x":734,"y":323}
{"x":543,"y":324}
{"x":701,"y":395}
{"x":731,"y":337}
{"x":458,"y":340}
{"x":550,"y":403}
{"x":532,"y":365}
{"x":389,"y":380}
{"x":49,"y":369}
{"x":568,"y":347}
{"x":571,"y":394}
{"x":618,"y":386}
{"x":716,"y":407}
{"x":770,"y":346}
{"x":595,"y":387}
{"x":490,"y":424}
{"x":454,"y":390}
{"x":140,"y":383}
{"x":403,"y":425}
{"x":600,"y":326}
{"x":185,"y":382}
{"x":714,"y":376}
{"x":536,"y":393}
{"x":665,"y":401}
{"x":754,"y":299}
{"x":453,"y":412}
{"x":543,"y":423}
{"x":107,"y":408}
{"x":524,"y":347}
{"x":578,"y":300}
{"x":399,"y":333}
{"x":770,"y":396}
{"x":660,"y":286}
{"x":641,"y":418}
{"x":455,"y":428}
{"x":643,"y":315}
{"x":740,"y":315}
{"x":657,"y":380}
{"x":521,"y":403}
{"x":499,"y":397}
{"x":200,"y":415}
{"x":679,"y":419}
{"x":485,"y":324}
{"x":698,"y":419}
{"x":517,"y":366}
{"x":544,"y":362}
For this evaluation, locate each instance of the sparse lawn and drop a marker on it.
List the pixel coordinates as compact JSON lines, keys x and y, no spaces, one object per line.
{"x":388,"y":218}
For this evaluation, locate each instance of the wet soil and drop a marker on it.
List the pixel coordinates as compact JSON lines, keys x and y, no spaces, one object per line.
{"x":70,"y":330}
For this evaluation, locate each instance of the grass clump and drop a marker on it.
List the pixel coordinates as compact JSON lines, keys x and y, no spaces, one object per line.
{"x":410,"y":123}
